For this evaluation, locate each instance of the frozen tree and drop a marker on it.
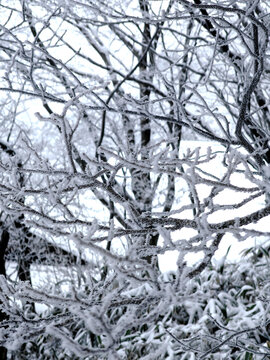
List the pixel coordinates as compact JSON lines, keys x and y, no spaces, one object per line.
{"x":96,"y":100}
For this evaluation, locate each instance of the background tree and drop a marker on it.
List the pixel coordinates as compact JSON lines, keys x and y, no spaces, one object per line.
{"x":96,"y":100}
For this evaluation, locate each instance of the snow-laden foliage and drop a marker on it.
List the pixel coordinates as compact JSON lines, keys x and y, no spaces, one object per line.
{"x":98,"y":187}
{"x":221,"y":314}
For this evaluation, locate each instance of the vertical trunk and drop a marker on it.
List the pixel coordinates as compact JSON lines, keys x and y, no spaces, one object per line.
{"x":24,"y":262}
{"x":141,"y":182}
{"x":3,"y":246}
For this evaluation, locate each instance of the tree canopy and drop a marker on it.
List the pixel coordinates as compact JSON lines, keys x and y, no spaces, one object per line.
{"x":97,"y":100}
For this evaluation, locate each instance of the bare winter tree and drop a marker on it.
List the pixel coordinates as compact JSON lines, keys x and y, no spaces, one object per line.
{"x":96,"y":187}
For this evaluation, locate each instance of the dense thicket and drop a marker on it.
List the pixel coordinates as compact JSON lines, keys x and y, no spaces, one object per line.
{"x":98,"y":184}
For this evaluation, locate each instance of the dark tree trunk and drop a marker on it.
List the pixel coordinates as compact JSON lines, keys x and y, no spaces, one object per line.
{"x":3,"y":316}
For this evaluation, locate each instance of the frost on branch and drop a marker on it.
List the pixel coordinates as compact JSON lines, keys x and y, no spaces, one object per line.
{"x":102,"y":300}
{"x":134,"y":149}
